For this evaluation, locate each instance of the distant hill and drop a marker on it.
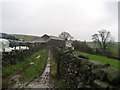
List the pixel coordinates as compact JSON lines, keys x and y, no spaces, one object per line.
{"x":26,"y":37}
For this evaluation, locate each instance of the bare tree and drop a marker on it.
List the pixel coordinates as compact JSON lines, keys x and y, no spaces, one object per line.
{"x":102,"y":39}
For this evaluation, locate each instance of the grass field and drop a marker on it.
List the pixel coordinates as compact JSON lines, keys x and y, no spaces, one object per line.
{"x":26,"y":37}
{"x":103,"y":59}
{"x":113,"y":47}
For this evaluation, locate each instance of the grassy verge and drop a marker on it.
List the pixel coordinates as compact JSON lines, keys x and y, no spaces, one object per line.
{"x":55,"y":78}
{"x":36,"y":68}
{"x":53,"y":67}
{"x":10,"y":69}
{"x":103,"y":59}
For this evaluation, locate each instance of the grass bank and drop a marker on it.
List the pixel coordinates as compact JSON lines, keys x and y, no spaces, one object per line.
{"x":103,"y":59}
{"x":53,"y":67}
{"x":10,"y":69}
{"x":37,"y":68}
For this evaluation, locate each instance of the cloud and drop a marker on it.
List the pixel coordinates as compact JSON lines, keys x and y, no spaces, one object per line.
{"x":81,"y":18}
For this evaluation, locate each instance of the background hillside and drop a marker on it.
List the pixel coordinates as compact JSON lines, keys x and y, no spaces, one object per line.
{"x":26,"y":37}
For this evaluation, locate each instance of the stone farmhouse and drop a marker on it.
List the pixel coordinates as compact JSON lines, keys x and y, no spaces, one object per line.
{"x":49,"y":42}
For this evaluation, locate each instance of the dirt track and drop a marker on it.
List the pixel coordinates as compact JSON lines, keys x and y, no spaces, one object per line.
{"x":43,"y":80}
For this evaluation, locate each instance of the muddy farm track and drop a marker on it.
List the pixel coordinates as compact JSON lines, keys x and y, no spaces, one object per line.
{"x":9,"y":81}
{"x":42,"y":81}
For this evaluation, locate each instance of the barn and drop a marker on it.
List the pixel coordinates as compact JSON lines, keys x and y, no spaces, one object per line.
{"x":49,"y":42}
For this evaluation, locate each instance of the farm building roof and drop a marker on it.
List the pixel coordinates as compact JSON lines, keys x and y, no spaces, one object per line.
{"x":56,"y":38}
{"x":45,"y":38}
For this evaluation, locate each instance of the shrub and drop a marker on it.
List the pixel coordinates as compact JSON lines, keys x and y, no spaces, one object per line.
{"x":82,"y":46}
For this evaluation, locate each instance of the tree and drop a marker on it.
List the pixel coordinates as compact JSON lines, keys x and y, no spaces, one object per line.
{"x":82,"y":46}
{"x":66,"y":36}
{"x":102,"y":39}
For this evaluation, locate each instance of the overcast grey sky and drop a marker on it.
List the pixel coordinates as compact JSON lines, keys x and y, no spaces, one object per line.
{"x":81,"y":18}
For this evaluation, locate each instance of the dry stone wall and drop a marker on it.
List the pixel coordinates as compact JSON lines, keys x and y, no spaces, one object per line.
{"x":77,"y":71}
{"x":16,"y":56}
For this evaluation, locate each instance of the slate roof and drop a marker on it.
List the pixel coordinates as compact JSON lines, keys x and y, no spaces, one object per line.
{"x":41,"y":40}
{"x":56,"y":38}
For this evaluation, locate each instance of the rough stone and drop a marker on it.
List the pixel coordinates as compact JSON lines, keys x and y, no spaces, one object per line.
{"x":91,"y":78}
{"x":100,"y":84}
{"x":31,"y":63}
{"x":38,"y":56}
{"x":85,"y":68}
{"x":98,"y":73}
{"x":83,"y":62}
{"x":113,"y":75}
{"x":80,"y":85}
{"x":83,"y":56}
{"x":96,"y":64}
{"x":89,"y":63}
